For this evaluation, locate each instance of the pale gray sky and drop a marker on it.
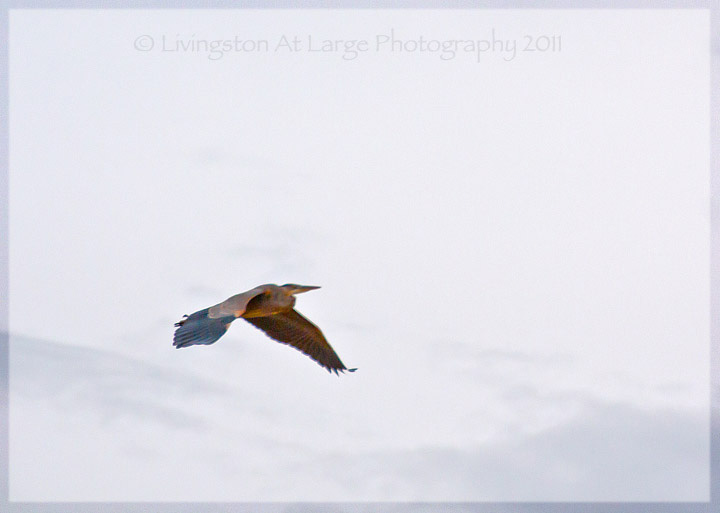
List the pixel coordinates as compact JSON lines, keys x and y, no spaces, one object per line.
{"x":544,"y":216}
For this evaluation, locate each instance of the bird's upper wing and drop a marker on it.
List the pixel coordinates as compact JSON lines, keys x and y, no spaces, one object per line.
{"x":235,"y":305}
{"x":292,"y":328}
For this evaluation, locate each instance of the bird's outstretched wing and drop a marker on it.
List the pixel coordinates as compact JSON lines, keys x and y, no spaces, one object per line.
{"x":293,"y":329}
{"x":235,"y":306}
{"x":200,"y":329}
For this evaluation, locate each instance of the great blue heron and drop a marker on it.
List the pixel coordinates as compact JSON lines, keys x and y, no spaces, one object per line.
{"x":269,"y":308}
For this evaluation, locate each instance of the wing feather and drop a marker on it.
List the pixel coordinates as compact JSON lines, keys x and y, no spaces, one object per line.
{"x":295,"y":330}
{"x":236,"y":304}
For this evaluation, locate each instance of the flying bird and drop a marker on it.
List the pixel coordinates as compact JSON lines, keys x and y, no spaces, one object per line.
{"x":269,"y":308}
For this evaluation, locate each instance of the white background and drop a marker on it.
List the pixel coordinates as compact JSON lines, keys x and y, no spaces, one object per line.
{"x":514,"y":252}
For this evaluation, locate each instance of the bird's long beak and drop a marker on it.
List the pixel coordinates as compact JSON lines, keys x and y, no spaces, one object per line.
{"x":304,"y":288}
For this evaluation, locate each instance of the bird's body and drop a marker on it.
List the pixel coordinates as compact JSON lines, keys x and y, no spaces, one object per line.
{"x":269,"y":308}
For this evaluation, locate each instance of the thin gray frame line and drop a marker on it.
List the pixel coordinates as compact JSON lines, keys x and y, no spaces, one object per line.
{"x":714,"y":252}
{"x":530,"y":507}
{"x":394,"y":507}
{"x":360,"y":4}
{"x":4,"y":259}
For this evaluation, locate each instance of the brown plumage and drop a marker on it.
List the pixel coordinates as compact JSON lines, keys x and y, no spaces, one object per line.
{"x":269,"y":308}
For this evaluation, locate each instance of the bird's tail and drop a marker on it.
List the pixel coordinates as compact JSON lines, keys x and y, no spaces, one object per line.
{"x":200,"y":329}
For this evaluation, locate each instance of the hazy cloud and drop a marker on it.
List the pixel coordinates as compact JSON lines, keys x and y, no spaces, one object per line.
{"x":616,"y":451}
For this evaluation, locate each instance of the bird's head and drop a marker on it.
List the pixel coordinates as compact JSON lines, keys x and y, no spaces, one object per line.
{"x":293,"y":288}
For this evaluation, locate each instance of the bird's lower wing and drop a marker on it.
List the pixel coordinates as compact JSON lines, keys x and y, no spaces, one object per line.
{"x":293,"y":329}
